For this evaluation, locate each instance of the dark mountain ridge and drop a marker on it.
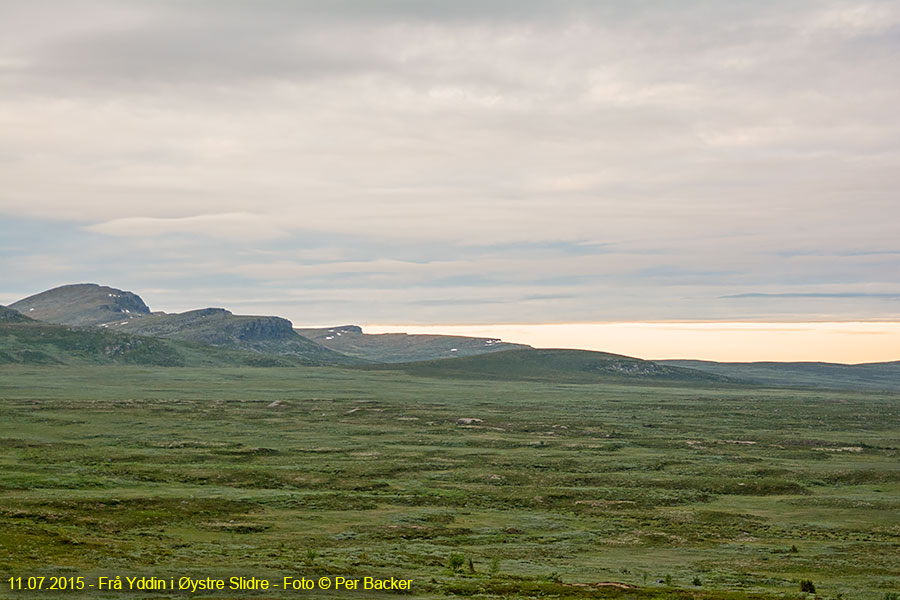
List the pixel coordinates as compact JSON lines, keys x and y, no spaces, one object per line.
{"x":8,"y":315}
{"x":114,"y":309}
{"x":402,"y":347}
{"x":27,"y":341}
{"x":82,"y":304}
{"x":219,"y":327}
{"x":94,"y":324}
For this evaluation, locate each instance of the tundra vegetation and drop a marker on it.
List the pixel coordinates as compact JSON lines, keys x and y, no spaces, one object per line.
{"x":471,"y":488}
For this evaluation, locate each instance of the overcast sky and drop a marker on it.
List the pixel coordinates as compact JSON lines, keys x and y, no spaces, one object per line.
{"x":417,"y":161}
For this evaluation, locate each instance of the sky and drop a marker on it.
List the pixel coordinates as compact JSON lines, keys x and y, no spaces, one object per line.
{"x":836,"y":342}
{"x":425,"y":162}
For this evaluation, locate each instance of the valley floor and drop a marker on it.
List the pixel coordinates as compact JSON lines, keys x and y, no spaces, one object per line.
{"x":719,"y":492}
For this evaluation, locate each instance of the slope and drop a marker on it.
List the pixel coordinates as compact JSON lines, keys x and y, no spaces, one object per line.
{"x":82,"y":304}
{"x":26,"y":341}
{"x":870,"y":376}
{"x":219,"y":327}
{"x":558,"y":365}
{"x":402,"y":347}
{"x":110,"y":308}
{"x":8,"y":315}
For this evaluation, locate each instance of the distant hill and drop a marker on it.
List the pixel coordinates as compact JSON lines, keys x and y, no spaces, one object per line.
{"x":871,"y":376}
{"x":114,"y":309}
{"x":8,"y":315}
{"x":219,"y":327}
{"x":93,"y":324}
{"x":26,"y":341}
{"x":564,"y":366}
{"x":82,"y":304}
{"x":402,"y":347}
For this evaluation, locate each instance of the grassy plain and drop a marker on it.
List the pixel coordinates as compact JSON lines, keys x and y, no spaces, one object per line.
{"x":703,"y":491}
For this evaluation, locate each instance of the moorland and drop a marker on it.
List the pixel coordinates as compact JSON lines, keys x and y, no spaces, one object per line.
{"x":207,"y":444}
{"x":546,"y":487}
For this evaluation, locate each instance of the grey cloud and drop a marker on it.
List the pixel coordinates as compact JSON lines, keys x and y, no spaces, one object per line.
{"x":219,"y":42}
{"x":841,"y":295}
{"x":621,"y":159}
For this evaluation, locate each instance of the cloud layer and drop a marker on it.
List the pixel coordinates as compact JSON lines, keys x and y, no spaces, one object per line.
{"x":528,"y":161}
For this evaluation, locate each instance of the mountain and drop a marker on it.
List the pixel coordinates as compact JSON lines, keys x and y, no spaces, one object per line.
{"x":563,"y":366}
{"x":93,"y":324}
{"x":8,"y":315}
{"x":402,"y":347}
{"x":82,"y":304}
{"x":219,"y":327}
{"x":26,"y":341}
{"x":110,"y":308}
{"x":869,"y":376}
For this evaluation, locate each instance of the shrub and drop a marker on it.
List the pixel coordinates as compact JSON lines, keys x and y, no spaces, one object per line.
{"x":806,"y":585}
{"x":494,"y":565}
{"x":456,"y":561}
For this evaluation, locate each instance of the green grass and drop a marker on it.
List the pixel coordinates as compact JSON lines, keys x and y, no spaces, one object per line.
{"x":220,"y":328}
{"x":869,"y":376}
{"x":557,"y":365}
{"x":326,"y":471}
{"x":25,"y":341}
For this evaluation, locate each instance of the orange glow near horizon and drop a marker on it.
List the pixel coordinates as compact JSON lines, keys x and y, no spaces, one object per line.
{"x":841,"y":342}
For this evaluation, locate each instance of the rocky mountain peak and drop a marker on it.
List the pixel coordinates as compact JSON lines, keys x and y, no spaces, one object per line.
{"x":82,"y":304}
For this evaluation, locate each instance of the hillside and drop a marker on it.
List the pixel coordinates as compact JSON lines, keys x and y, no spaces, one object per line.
{"x":402,"y":347}
{"x":114,"y":309}
{"x":82,"y":304}
{"x":871,"y":376}
{"x":564,"y":366}
{"x":26,"y":341}
{"x":8,"y":315}
{"x":219,"y":327}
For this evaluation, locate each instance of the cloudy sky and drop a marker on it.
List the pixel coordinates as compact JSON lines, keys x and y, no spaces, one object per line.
{"x":464,"y":162}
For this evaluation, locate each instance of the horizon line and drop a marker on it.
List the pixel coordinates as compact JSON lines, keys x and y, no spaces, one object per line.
{"x":841,"y":342}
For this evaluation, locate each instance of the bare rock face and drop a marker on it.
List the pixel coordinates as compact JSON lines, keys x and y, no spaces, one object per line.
{"x":213,"y":326}
{"x":263,"y":328}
